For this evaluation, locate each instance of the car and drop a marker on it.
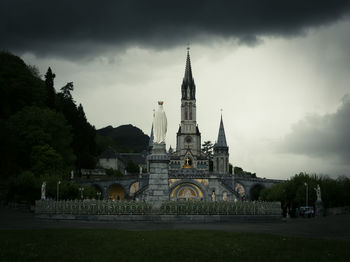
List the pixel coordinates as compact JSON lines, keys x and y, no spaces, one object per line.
{"x":307,"y":211}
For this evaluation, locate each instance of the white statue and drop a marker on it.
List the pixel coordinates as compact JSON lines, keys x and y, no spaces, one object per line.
{"x":43,"y":191}
{"x":318,"y":193}
{"x":159,"y":124}
{"x":72,"y":175}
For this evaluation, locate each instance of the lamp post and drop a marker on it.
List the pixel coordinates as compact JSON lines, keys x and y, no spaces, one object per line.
{"x":58,"y":190}
{"x":307,"y":194}
{"x":81,"y":189}
{"x":98,"y":195}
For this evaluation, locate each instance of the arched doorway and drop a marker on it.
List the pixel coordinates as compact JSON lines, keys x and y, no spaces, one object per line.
{"x":186,"y":191}
{"x":116,"y":192}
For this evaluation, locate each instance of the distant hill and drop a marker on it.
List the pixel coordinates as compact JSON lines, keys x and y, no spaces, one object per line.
{"x":125,"y":138}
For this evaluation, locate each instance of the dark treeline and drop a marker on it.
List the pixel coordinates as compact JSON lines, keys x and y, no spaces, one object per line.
{"x":292,"y":193}
{"x":44,"y":134}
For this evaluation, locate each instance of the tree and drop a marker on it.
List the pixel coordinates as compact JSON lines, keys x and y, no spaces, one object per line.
{"x":230,"y":168}
{"x":45,"y":160}
{"x":35,"y":71}
{"x":84,"y":134}
{"x":49,"y":82}
{"x":24,"y":187}
{"x":40,"y":134}
{"x":207,"y":148}
{"x":112,"y":172}
{"x":255,"y":192}
{"x":238,"y":170}
{"x":19,"y":87}
{"x":131,"y":167}
{"x":66,"y":90}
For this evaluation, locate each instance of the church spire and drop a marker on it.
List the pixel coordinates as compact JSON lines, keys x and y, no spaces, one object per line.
{"x":221,"y":137}
{"x":188,"y":87}
{"x":188,"y":69}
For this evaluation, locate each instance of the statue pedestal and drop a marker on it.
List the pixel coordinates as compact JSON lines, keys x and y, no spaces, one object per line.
{"x":158,"y":184}
{"x":319,"y":212}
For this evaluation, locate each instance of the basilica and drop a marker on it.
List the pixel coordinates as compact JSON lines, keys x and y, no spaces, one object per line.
{"x":186,"y":173}
{"x":189,"y":174}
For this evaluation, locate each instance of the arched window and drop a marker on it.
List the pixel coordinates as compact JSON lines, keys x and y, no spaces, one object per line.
{"x":186,"y":112}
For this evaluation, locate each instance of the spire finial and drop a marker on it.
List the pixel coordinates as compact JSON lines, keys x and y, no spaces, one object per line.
{"x":188,"y":46}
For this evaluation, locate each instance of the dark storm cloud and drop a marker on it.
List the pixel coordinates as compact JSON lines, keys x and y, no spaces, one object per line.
{"x":82,"y":27}
{"x":323,"y":136}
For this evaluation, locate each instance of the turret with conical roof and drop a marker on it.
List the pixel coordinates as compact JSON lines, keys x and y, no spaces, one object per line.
{"x":221,"y":142}
{"x":221,"y":155}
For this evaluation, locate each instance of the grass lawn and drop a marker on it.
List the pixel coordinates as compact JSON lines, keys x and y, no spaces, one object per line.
{"x":115,"y":245}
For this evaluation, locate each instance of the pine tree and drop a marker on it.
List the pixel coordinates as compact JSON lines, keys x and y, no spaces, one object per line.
{"x":49,"y":82}
{"x":67,"y":89}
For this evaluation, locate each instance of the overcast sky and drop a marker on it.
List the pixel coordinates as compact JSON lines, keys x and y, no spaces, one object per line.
{"x":280,"y":70}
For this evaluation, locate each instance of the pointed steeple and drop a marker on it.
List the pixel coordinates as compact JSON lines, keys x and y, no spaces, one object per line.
{"x":188,"y":70}
{"x":221,"y":137}
{"x":188,"y":87}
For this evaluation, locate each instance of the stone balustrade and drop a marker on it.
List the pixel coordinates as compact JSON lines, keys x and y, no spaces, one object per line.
{"x":254,"y":208}
{"x":92,"y":207}
{"x":105,"y":207}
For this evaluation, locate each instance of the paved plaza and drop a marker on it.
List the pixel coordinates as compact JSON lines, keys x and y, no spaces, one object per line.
{"x":332,"y":227}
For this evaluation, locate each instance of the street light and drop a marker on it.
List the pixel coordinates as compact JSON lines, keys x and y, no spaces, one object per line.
{"x":81,"y":189}
{"x":58,"y":190}
{"x":98,"y":195}
{"x":307,"y":194}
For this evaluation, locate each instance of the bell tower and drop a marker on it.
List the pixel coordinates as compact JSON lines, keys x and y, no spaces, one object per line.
{"x":188,"y":136}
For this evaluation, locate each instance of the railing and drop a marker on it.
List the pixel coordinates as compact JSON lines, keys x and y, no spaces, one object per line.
{"x":92,"y":207}
{"x":105,"y":207}
{"x":220,"y":208}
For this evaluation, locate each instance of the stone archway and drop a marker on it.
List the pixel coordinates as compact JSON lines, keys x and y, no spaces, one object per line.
{"x":185,"y":192}
{"x":116,"y":192}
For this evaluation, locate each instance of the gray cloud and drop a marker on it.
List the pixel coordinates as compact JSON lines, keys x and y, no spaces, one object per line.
{"x":326,"y":136}
{"x":84,"y":28}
